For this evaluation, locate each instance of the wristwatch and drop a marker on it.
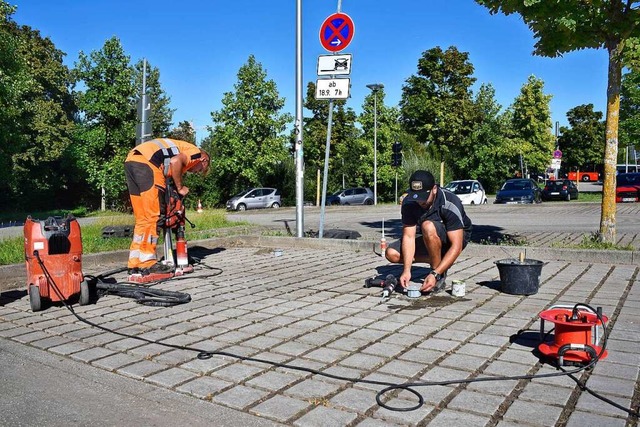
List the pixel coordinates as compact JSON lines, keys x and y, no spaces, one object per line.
{"x":435,"y":274}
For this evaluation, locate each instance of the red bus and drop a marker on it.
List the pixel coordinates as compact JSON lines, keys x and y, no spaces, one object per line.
{"x":584,"y":176}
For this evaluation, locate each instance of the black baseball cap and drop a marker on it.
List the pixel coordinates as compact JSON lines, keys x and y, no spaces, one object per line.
{"x":420,"y":185}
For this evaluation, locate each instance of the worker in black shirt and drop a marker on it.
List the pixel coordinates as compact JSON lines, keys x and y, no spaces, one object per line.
{"x":435,"y":230}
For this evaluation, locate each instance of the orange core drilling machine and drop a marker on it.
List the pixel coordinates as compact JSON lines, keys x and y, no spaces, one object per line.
{"x":53,"y":253}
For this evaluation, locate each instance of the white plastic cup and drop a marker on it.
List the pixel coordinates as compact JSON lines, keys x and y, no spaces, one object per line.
{"x":458,"y":288}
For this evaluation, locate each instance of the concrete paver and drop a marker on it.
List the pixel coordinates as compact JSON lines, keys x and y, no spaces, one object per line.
{"x":308,"y":308}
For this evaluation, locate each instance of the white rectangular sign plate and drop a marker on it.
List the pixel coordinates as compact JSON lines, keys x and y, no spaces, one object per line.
{"x":332,"y":88}
{"x":330,"y":65}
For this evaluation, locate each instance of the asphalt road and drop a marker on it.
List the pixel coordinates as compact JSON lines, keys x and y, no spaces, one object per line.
{"x":490,"y":219}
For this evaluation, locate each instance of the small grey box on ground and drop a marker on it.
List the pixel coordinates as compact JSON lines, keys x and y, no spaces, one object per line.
{"x":117,"y":231}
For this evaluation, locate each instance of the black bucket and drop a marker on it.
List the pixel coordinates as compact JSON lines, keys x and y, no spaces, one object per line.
{"x":520,"y":277}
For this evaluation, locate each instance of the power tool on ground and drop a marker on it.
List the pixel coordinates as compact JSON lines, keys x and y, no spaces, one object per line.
{"x":388,"y":285}
{"x":174,"y":222}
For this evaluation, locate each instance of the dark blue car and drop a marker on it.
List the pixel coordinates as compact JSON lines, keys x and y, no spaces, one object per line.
{"x":519,"y":191}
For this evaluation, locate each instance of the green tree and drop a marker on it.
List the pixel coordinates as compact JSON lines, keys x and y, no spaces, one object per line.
{"x":582,"y":143}
{"x":629,"y":112}
{"x":345,"y":149}
{"x":389,"y":131}
{"x":184,"y":132}
{"x":531,"y":125}
{"x":47,"y":124}
{"x":14,"y":83}
{"x":246,"y":142}
{"x":568,"y":25}
{"x":161,"y":115}
{"x":492,"y":160}
{"x":36,"y":117}
{"x":436,"y":104}
{"x":108,"y":122}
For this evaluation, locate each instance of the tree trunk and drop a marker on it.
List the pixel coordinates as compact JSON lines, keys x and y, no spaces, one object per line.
{"x":608,"y":211}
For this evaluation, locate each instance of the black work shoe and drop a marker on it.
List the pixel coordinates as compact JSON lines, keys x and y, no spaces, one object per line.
{"x":134,"y":270}
{"x":440,"y":284}
{"x":157,"y":268}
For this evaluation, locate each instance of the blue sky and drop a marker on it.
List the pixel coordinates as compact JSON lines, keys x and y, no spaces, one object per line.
{"x":199,"y":45}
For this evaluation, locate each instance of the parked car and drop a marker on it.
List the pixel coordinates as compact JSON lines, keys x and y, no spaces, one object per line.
{"x":562,"y":189}
{"x":351,"y":196}
{"x":519,"y":191}
{"x":628,"y":187}
{"x":470,"y":191}
{"x":255,"y":198}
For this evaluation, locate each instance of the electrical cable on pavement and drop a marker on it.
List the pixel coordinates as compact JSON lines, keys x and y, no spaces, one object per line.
{"x":408,"y":386}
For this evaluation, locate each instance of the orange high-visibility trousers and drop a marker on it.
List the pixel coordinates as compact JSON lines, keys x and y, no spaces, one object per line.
{"x":146,"y":184}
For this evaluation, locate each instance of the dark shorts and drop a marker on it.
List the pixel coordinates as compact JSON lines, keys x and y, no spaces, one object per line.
{"x":421,"y":248}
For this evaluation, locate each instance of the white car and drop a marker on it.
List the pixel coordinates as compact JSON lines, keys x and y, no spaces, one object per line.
{"x":469,"y":191}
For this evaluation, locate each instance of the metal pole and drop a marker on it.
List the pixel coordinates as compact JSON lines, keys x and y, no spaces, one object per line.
{"x":326,"y":170}
{"x":396,"y":198}
{"x":626,"y":159}
{"x":375,"y":147}
{"x":556,"y":171}
{"x":522,"y":167}
{"x":144,"y":127}
{"x":298,"y":126}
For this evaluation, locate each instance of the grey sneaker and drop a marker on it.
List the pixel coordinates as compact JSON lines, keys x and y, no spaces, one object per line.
{"x":440,"y":284}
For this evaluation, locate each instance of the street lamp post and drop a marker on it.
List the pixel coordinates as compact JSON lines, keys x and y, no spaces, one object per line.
{"x":375,"y":87}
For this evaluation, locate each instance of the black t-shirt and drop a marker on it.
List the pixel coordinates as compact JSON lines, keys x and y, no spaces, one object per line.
{"x":447,"y":208}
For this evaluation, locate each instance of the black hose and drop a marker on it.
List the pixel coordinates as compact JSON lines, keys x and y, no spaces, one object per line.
{"x":144,"y":295}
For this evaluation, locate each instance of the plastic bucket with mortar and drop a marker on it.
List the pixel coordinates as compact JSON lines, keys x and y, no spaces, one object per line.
{"x":520,"y":277}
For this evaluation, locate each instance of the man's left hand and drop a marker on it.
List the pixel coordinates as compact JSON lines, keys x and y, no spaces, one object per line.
{"x":429,"y":283}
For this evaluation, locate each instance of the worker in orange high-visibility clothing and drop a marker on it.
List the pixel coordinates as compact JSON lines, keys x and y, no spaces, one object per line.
{"x":147,"y":168}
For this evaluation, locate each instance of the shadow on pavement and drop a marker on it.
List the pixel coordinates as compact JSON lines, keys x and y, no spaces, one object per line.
{"x":496,"y":285}
{"x":11,"y":296}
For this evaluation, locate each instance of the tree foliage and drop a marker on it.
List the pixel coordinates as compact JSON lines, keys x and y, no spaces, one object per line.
{"x":246,"y":142}
{"x":184,"y":132}
{"x":347,"y":152}
{"x":389,"y":131}
{"x":36,"y":118}
{"x":582,"y":143}
{"x":107,"y":128}
{"x":531,"y":125}
{"x":161,"y":114}
{"x":436,"y":104}
{"x":565,"y":26}
{"x":14,"y":81}
{"x":630,"y":111}
{"x":493,"y":149}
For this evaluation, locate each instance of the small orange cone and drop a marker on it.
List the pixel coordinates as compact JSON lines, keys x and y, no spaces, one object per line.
{"x":199,"y":206}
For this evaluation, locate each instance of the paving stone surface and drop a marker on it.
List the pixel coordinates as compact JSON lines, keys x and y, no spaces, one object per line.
{"x":297,"y":340}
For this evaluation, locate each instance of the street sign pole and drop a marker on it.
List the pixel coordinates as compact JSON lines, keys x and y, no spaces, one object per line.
{"x":298,"y":126}
{"x":336,"y":32}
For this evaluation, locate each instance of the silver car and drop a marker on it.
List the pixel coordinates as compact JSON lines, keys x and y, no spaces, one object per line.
{"x":255,"y":198}
{"x":351,"y":196}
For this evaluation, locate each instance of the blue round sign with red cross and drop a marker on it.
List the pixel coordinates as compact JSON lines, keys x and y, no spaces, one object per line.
{"x":336,"y":32}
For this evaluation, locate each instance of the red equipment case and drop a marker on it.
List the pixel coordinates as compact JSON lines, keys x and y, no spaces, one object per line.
{"x":58,"y":243}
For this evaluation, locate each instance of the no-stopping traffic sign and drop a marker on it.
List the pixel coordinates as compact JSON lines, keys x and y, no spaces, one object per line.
{"x":337,"y":32}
